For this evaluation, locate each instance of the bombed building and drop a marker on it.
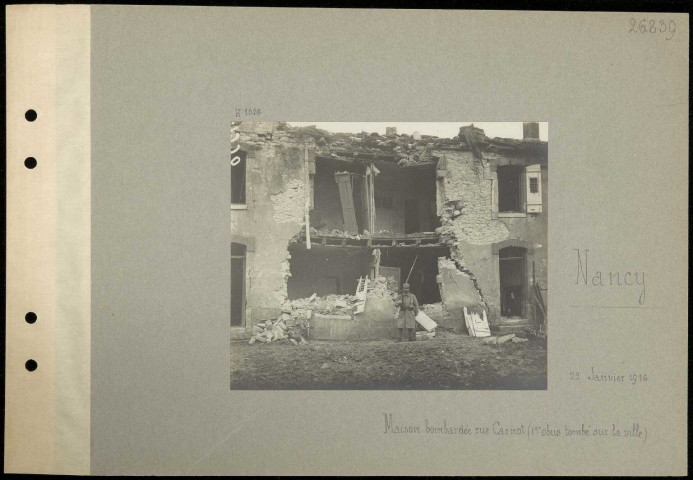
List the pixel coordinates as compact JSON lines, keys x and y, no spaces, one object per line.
{"x":328,"y":226}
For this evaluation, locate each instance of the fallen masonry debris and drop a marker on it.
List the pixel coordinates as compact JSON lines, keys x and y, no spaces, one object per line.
{"x":293,"y":324}
{"x":285,"y":327}
{"x":383,"y":287}
{"x":328,"y":305}
{"x":504,"y":339}
{"x":425,"y":335}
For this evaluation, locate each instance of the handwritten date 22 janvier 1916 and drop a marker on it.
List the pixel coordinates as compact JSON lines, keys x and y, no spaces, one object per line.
{"x":653,"y":26}
{"x":610,"y":377}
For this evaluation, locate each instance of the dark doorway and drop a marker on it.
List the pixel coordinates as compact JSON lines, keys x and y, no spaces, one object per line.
{"x":411,"y":215}
{"x":423,"y":278}
{"x":237,"y":284}
{"x":512,"y":280}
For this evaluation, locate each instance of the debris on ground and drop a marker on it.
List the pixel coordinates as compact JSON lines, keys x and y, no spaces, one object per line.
{"x":425,"y":335}
{"x":286,"y":327}
{"x":293,"y":325}
{"x":504,"y":339}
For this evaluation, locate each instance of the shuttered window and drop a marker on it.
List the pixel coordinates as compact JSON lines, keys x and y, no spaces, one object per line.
{"x":534,"y":197}
{"x":533,"y":185}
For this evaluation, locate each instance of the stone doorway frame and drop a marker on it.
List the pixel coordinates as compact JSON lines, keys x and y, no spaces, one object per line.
{"x":527,"y":304}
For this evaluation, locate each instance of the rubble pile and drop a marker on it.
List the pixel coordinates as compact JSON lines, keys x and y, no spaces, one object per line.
{"x":407,"y":149}
{"x":328,"y":305}
{"x":324,"y":232}
{"x":285,"y":327}
{"x":382,"y":287}
{"x":293,"y":324}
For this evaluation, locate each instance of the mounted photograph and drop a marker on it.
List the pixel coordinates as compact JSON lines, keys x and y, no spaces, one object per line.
{"x":389,"y":255}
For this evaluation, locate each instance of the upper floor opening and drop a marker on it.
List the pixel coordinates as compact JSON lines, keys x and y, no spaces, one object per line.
{"x":379,"y":198}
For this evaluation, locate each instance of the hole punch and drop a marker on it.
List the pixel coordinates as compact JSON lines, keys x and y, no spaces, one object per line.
{"x":31,"y":365}
{"x":30,"y":317}
{"x":31,"y":115}
{"x":30,"y":162}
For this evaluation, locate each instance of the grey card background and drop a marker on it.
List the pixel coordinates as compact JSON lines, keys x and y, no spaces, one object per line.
{"x":165,"y":83}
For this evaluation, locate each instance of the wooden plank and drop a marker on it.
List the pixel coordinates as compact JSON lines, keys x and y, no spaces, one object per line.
{"x":481,"y":327}
{"x":469,"y":323}
{"x":371,"y":197}
{"x":365,"y":207}
{"x":425,"y":321}
{"x":346,"y":197}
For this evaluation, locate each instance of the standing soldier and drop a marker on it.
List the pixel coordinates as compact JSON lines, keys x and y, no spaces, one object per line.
{"x":408,"y":310}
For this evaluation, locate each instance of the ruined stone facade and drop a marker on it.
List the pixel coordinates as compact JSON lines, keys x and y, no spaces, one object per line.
{"x":271,"y":216}
{"x":490,"y":256}
{"x":477,"y":231}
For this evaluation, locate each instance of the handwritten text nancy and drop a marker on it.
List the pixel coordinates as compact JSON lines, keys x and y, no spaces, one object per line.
{"x":588,"y":275}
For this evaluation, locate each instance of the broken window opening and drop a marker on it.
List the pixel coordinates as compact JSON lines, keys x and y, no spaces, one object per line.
{"x":328,"y":212}
{"x":238,"y":174}
{"x":405,"y":199}
{"x":238,"y":260}
{"x":378,"y":197}
{"x":512,"y":264}
{"x":326,"y":270}
{"x":396,"y":263}
{"x":509,"y":189}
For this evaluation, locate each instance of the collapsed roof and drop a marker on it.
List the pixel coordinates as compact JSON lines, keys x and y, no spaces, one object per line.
{"x":409,"y":149}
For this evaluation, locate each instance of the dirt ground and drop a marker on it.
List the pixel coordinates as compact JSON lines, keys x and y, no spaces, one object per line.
{"x":447,"y":362}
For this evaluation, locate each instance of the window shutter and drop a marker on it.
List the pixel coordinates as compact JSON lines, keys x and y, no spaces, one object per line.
{"x":533,"y":188}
